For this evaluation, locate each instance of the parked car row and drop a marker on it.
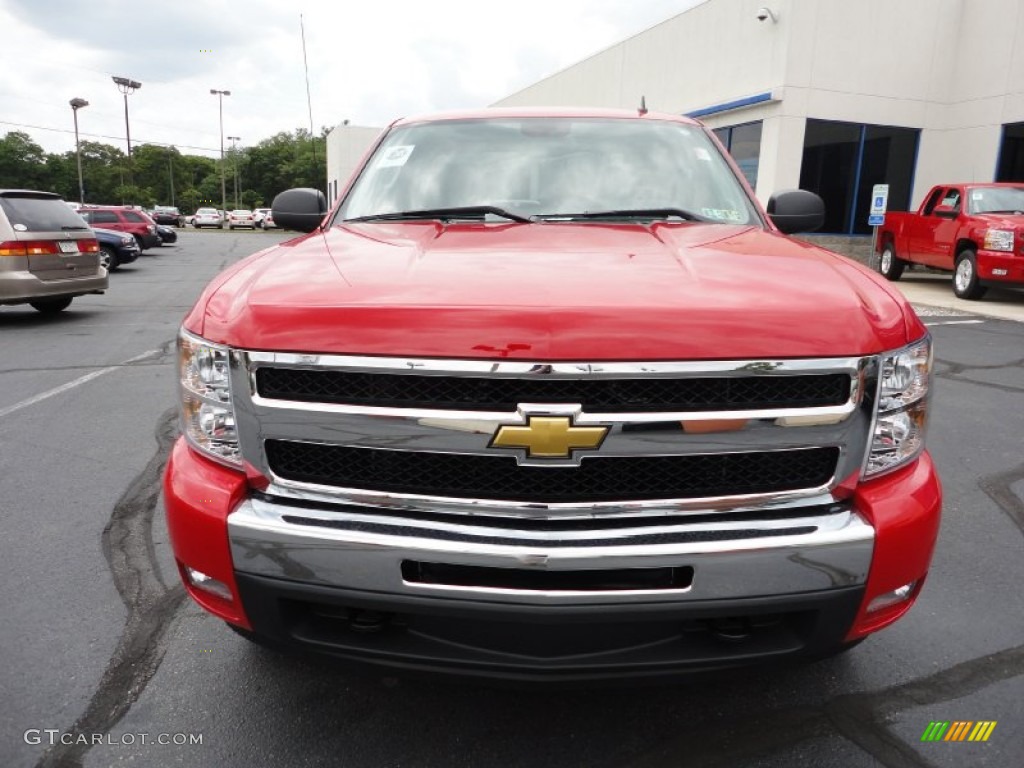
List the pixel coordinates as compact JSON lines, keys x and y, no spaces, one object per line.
{"x":52,"y":250}
{"x":115,"y":226}
{"x":236,"y":219}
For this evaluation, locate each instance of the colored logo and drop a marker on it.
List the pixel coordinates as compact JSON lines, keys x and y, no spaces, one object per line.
{"x":549,"y":437}
{"x":958,"y":730}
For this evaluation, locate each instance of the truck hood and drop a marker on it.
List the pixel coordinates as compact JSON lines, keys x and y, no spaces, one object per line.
{"x":1001,"y":220}
{"x":553,"y":291}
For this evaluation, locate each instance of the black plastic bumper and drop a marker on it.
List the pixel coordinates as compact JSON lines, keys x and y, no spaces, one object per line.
{"x":533,"y":643}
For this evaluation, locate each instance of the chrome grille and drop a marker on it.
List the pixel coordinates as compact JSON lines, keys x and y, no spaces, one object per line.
{"x":415,"y":435}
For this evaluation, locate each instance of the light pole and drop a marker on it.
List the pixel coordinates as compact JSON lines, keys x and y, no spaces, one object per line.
{"x":127,"y":87}
{"x":170,"y":171}
{"x":76,"y":104}
{"x":234,"y":164}
{"x":223,"y":188}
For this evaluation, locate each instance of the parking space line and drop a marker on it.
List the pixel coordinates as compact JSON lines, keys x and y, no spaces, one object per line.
{"x":72,"y":384}
{"x":957,"y":322}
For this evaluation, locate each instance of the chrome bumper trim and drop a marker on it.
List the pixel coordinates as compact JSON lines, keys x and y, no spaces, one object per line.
{"x":829,"y":548}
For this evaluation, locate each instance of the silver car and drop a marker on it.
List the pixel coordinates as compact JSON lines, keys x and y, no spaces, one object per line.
{"x":208,"y":217}
{"x":48,"y":254}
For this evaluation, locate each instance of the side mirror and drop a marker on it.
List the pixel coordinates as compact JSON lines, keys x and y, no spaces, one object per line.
{"x":945,"y":211}
{"x":301,"y":209}
{"x":796,"y":210}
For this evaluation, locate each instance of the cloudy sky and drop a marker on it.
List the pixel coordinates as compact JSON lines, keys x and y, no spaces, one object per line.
{"x":369,"y":62}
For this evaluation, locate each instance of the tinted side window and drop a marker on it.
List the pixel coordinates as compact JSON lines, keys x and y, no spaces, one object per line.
{"x":103,"y":217}
{"x":933,"y":200}
{"x":133,"y":217}
{"x":40,"y":214}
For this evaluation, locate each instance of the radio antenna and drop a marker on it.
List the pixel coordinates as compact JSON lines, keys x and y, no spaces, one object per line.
{"x":309,"y":100}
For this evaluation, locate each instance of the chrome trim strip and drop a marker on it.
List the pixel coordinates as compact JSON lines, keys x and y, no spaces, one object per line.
{"x":571,"y":370}
{"x":822,"y":414}
{"x":828,"y":549}
{"x":411,"y":503}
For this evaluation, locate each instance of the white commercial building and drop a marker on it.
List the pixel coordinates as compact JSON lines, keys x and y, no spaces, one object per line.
{"x":828,"y":95}
{"x":346,"y":145}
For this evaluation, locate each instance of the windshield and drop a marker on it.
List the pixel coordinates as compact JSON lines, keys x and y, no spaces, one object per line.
{"x":550,"y":168}
{"x":997,"y":200}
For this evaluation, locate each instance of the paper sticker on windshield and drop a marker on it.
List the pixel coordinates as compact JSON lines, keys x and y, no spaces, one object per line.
{"x":977,"y":194}
{"x":721,"y":214}
{"x":702,"y":154}
{"x":395,"y":156}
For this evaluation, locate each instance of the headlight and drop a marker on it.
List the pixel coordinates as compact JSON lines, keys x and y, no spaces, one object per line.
{"x":998,"y":239}
{"x":901,"y":412}
{"x":208,"y":416}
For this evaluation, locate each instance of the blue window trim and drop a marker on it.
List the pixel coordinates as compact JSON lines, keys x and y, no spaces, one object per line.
{"x":728,"y":105}
{"x":848,"y":231}
{"x":856,"y":179}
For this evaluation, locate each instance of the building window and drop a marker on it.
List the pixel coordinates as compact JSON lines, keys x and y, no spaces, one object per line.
{"x":1011,"y":153}
{"x":744,"y":144}
{"x":843,"y":161}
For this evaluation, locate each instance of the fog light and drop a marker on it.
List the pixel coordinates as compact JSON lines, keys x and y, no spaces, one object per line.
{"x":200,"y":580}
{"x":892,"y":598}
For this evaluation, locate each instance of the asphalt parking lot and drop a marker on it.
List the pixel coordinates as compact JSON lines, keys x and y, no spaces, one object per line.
{"x":97,"y":639}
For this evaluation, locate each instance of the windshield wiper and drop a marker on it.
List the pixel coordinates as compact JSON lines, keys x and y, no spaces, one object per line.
{"x":628,"y":213}
{"x":1017,"y":211}
{"x":67,"y":228}
{"x":460,"y":212}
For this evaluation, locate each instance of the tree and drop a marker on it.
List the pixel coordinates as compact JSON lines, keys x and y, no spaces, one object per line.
{"x":251,"y":199}
{"x":62,"y":175}
{"x":188,"y":199}
{"x":22,"y":162}
{"x":285,"y":160}
{"x":275,"y":164}
{"x":103,"y":171}
{"x":154,"y":166}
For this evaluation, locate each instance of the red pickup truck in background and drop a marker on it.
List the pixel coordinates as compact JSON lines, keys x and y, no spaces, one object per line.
{"x":975,"y":231}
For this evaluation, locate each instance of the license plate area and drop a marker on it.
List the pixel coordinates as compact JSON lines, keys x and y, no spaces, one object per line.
{"x":67,"y":246}
{"x":672,"y":578}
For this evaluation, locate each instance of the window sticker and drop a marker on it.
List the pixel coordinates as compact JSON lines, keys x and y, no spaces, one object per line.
{"x":976,"y":195}
{"x":395,"y":156}
{"x":702,"y":154}
{"x":721,"y":214}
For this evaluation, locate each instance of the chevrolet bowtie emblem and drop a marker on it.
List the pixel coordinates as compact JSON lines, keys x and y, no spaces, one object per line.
{"x":549,"y":437}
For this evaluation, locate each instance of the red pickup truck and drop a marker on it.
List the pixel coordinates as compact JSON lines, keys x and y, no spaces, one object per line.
{"x":975,"y":231}
{"x":546,"y":396}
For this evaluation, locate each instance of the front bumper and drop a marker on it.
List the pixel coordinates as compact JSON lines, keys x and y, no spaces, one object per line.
{"x":1000,"y":267}
{"x":520,"y":602}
